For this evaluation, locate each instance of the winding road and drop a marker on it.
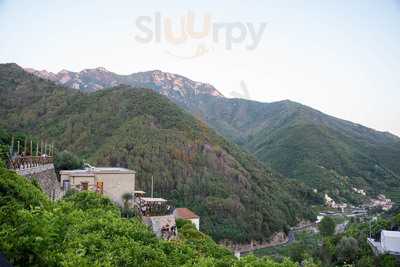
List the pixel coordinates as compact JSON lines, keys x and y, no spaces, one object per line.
{"x":290,"y":239}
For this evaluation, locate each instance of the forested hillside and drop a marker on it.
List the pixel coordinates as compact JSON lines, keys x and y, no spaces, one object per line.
{"x":85,"y":229}
{"x":327,"y":153}
{"x":236,"y":197}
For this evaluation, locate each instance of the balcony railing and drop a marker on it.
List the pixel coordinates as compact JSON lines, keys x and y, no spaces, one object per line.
{"x":26,"y":162}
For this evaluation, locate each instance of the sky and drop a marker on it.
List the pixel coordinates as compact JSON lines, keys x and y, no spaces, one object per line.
{"x":340,"y":57}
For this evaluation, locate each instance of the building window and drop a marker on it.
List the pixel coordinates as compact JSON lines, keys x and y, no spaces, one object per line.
{"x":66,"y":185}
{"x":84,"y":186}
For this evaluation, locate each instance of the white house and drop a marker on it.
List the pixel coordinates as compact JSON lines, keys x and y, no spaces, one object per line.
{"x":112,"y":182}
{"x":186,"y":214}
{"x":390,"y":243}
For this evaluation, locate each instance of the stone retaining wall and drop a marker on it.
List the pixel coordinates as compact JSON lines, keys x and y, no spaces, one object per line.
{"x":46,"y":177}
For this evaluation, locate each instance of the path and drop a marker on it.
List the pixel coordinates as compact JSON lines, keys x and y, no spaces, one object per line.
{"x":289,"y":240}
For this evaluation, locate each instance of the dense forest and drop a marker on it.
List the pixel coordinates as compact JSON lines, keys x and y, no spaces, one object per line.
{"x":86,"y":229}
{"x":326,"y":153}
{"x":329,"y":154}
{"x":237,"y":197}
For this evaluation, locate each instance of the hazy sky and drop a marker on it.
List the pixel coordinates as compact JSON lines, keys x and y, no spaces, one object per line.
{"x":341,"y":57}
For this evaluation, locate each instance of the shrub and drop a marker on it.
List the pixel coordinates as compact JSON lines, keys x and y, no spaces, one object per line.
{"x":66,"y":160}
{"x":327,"y":226}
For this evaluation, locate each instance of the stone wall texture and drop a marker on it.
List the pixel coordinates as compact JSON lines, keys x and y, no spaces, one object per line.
{"x":46,"y":177}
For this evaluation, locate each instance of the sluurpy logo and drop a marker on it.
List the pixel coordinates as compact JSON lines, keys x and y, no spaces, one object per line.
{"x":182,"y":31}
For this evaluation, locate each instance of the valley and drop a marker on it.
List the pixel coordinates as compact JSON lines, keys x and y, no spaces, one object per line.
{"x":238,"y":198}
{"x":330,"y":155}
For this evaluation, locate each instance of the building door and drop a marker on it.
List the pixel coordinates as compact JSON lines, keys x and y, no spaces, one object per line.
{"x":84,"y":186}
{"x":99,"y":187}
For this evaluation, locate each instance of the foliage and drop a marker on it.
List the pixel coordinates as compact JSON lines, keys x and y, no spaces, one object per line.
{"x":66,"y":160}
{"x":86,"y":229}
{"x":388,"y":261}
{"x":347,"y":250}
{"x":19,"y":192}
{"x":236,"y":196}
{"x":327,"y":226}
{"x":326,"y":153}
{"x":305,"y":246}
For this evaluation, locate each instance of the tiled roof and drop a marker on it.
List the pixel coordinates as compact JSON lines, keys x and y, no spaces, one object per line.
{"x":184,"y":213}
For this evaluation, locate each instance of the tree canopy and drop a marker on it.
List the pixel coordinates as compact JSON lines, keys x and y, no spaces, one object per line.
{"x":86,"y":229}
{"x":327,"y":226}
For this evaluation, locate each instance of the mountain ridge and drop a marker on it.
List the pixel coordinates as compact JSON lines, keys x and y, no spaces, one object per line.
{"x":53,"y":77}
{"x":82,"y":81}
{"x":235,"y":195}
{"x":298,"y":141}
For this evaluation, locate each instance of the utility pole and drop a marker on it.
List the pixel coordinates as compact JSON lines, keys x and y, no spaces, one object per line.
{"x":12,"y":147}
{"x":18,"y":147}
{"x":37,"y":148}
{"x":152,"y":186}
{"x":369,"y":228}
{"x":31,"y":148}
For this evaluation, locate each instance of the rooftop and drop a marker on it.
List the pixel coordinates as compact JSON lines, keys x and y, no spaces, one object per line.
{"x":395,"y":234}
{"x":185,"y":213}
{"x":390,"y":243}
{"x":93,"y":170}
{"x":153,"y":199}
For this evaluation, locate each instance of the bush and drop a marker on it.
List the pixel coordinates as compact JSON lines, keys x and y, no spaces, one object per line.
{"x":181,"y":222}
{"x":86,"y":229}
{"x":387,"y":261}
{"x":66,"y":160}
{"x":347,"y":250}
{"x":327,"y":226}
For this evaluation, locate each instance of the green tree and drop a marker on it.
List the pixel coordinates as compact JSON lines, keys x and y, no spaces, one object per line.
{"x":127,"y":198}
{"x":365,"y":261}
{"x":327,"y":251}
{"x":347,"y":250}
{"x":297,"y":251}
{"x":327,"y":226}
{"x":387,"y":261}
{"x":127,"y":209}
{"x":396,"y":221}
{"x":66,"y":160}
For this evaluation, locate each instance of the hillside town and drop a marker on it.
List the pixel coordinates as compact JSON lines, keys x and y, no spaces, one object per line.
{"x":199,"y":133}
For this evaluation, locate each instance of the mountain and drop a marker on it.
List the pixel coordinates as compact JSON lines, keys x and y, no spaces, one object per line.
{"x":174,"y":86}
{"x":329,"y":154}
{"x":236,"y":196}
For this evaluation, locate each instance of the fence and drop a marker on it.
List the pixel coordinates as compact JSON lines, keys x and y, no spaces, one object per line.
{"x":26,"y":162}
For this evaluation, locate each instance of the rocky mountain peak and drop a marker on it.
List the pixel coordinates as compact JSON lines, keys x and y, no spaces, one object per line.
{"x":169,"y":84}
